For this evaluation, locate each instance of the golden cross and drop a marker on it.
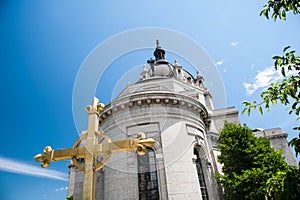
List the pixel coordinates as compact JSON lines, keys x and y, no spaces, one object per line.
{"x":92,"y":149}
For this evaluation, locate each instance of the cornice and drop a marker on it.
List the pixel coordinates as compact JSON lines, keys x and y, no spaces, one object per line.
{"x":162,"y":98}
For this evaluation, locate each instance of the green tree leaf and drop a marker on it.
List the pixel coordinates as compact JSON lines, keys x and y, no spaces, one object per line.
{"x":260,"y":110}
{"x":279,"y":8}
{"x":286,"y":48}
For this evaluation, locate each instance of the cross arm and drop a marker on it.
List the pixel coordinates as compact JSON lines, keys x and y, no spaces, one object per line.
{"x":138,"y":145}
{"x":50,"y":155}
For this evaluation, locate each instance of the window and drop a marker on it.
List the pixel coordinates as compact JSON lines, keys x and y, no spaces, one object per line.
{"x":201,"y":176}
{"x":147,"y":175}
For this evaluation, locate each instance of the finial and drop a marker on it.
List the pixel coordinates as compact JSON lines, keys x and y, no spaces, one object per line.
{"x":157,"y":44}
{"x":200,"y":79}
{"x":159,"y":52}
{"x":199,"y":76}
{"x":144,"y":67}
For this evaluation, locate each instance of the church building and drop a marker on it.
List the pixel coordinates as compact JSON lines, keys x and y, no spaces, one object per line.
{"x":175,"y":108}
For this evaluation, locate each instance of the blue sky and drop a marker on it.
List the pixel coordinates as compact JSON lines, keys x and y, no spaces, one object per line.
{"x":43,"y":44}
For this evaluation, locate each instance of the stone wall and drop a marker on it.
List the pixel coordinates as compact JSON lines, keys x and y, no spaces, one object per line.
{"x":278,"y":141}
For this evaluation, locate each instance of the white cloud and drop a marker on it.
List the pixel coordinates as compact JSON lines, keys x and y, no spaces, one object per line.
{"x":262,"y":80}
{"x":220,"y":62}
{"x":234,"y":44}
{"x":18,"y":167}
{"x":61,"y":189}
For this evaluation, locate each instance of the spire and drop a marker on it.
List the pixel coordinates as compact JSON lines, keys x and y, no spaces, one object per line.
{"x":144,"y":67}
{"x":200,"y":79}
{"x":157,"y":44}
{"x":176,"y":63}
{"x":159,"y":52}
{"x":144,"y":73}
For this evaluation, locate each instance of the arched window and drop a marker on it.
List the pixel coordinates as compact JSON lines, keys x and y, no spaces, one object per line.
{"x":147,"y":174}
{"x":201,"y":176}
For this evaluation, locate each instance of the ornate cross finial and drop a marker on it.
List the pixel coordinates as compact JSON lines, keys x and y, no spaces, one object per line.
{"x":92,"y":149}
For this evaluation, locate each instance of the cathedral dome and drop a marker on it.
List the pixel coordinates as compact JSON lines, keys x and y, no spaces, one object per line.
{"x":162,"y":68}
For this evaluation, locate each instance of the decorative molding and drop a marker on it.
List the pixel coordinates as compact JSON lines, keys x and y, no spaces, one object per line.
{"x":157,"y":97}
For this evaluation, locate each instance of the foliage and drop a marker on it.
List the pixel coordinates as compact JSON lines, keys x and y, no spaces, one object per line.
{"x":71,"y":197}
{"x":295,"y":142}
{"x":284,"y":185}
{"x":248,"y":162}
{"x":286,"y":91}
{"x":280,"y":8}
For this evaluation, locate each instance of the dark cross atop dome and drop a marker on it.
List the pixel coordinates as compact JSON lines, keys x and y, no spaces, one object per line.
{"x":159,"y":52}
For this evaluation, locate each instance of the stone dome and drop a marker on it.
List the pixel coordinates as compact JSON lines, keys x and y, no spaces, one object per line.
{"x":162,"y":69}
